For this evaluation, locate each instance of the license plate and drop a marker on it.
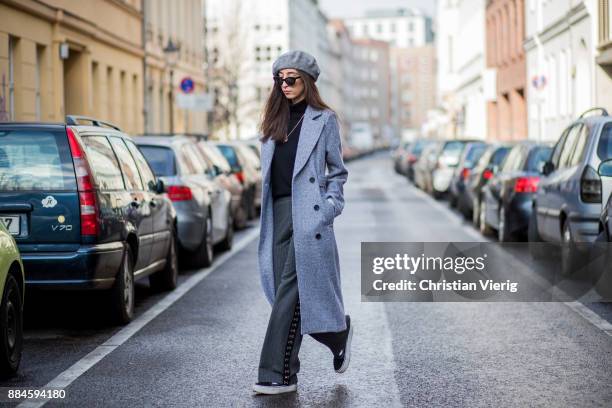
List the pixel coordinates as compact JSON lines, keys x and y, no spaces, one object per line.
{"x":11,"y":223}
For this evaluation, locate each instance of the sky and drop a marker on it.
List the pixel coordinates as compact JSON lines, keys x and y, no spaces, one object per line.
{"x":356,"y":8}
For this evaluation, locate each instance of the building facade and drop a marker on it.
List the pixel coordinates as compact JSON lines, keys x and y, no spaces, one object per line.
{"x":505,"y":56}
{"x":371,"y":90}
{"x":180,"y":23}
{"x":60,"y":57}
{"x":400,"y":27}
{"x":416,"y":74}
{"x":603,"y":66}
{"x":559,"y":46}
{"x":461,"y":68}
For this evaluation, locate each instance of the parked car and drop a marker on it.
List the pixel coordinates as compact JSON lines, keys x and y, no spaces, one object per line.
{"x":480,"y":175}
{"x":202,"y":207}
{"x":223,"y":172}
{"x":12,"y":293}
{"x":568,"y":204}
{"x":398,"y":156}
{"x":506,"y":206}
{"x":88,"y":211}
{"x":604,"y":272}
{"x":254,"y":145}
{"x":446,"y":162}
{"x":412,"y":155}
{"x":470,"y":156}
{"x":424,"y":166}
{"x":246,"y":171}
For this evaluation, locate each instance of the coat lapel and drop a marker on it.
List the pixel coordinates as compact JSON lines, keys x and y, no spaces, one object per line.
{"x":309,"y":135}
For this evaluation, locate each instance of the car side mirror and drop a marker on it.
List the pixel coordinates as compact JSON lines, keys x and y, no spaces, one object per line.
{"x":605,"y":168}
{"x":216,"y":170}
{"x":548,"y":168}
{"x":160,"y":187}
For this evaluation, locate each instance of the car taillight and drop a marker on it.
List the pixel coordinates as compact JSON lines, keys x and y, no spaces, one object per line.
{"x":487,"y":174}
{"x":412,"y":158}
{"x":87,"y":196}
{"x":179,"y":193}
{"x":526,"y":184}
{"x":590,"y":186}
{"x":240,"y":177}
{"x":465,"y":173}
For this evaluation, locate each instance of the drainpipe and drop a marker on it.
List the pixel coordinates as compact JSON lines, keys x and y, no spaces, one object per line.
{"x":145,"y":89}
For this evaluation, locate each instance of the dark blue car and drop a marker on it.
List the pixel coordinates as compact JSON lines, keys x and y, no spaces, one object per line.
{"x":86,"y":210}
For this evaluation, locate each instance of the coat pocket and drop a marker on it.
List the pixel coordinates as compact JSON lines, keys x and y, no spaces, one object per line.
{"x":329,"y":212}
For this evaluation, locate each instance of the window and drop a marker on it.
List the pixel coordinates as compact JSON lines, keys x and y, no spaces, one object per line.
{"x":146,"y":174}
{"x":161,"y":160}
{"x":103,"y":163}
{"x":35,"y":160}
{"x":568,"y":147}
{"x":513,"y":160}
{"x":604,"y":147}
{"x":196,"y":158}
{"x":186,"y":162}
{"x":578,"y":149}
{"x":131,"y":177}
{"x":556,"y":154}
{"x":537,"y":158}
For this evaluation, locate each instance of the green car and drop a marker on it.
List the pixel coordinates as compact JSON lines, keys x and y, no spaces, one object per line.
{"x":11,"y":310}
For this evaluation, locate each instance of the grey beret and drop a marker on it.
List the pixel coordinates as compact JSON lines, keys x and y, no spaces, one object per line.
{"x":297,"y":60}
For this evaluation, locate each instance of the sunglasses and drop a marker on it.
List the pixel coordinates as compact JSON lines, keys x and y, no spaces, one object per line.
{"x":289,"y":80}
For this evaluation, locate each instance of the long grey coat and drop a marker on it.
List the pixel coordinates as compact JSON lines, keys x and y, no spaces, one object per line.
{"x":316,"y":253}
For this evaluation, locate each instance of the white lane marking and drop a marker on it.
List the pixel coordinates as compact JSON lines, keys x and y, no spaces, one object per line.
{"x":579,"y":308}
{"x":591,"y":317}
{"x":68,"y":376}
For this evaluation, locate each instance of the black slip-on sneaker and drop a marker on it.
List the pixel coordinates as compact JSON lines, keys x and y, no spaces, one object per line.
{"x":343,"y":358}
{"x":272,"y":388}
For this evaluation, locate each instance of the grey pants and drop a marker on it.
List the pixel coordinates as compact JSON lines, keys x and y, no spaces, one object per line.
{"x":279,"y":360}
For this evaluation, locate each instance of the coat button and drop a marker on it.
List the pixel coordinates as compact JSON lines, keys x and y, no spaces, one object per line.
{"x":316,"y":207}
{"x":318,"y":236}
{"x":312,"y":179}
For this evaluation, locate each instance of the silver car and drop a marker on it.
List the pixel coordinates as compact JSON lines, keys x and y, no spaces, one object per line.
{"x":203,"y":207}
{"x":568,"y":203}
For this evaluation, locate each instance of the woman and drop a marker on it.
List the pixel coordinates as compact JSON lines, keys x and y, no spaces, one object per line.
{"x":298,"y":256}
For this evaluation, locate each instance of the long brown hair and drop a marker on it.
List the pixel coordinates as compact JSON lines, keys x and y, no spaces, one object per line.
{"x":276,"y":113}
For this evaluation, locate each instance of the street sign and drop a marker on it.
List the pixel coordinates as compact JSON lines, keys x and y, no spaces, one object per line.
{"x":198,"y":102}
{"x":187,"y":85}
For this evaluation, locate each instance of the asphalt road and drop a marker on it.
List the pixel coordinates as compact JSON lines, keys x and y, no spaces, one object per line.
{"x":200,"y":347}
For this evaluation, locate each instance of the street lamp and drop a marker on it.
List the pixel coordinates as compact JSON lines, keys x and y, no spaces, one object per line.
{"x":171,"y":51}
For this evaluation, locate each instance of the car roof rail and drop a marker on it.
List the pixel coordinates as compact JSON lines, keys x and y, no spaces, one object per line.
{"x":75,"y":119}
{"x":603,"y":111}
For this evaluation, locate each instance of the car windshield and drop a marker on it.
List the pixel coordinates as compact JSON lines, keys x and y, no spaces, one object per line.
{"x":230,"y":155}
{"x":161,"y":160}
{"x":34,"y":161}
{"x":451,"y":153}
{"x":538,"y":157}
{"x":474,"y":154}
{"x":418,"y":147}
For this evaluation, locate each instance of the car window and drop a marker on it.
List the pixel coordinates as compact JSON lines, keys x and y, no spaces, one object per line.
{"x":604,"y":147}
{"x":230,"y":155}
{"x":197,"y":156}
{"x":103,"y":163}
{"x":146,"y":174}
{"x":127,"y":163}
{"x":578,"y":150}
{"x":35,"y":160}
{"x":473,"y":154}
{"x":216,"y":157}
{"x":568,"y":148}
{"x":499,"y":155}
{"x":484,"y":160}
{"x":161,"y":159}
{"x":556,"y":154}
{"x":191,"y":161}
{"x":513,"y":160}
{"x":537,"y":157}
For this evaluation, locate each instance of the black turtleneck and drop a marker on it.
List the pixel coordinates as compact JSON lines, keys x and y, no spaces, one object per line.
{"x":284,"y":153}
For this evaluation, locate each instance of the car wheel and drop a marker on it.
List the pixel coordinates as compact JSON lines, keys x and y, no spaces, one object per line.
{"x":204,"y":253}
{"x":167,"y":278}
{"x":485,"y":229}
{"x":122,"y":293}
{"x":227,"y":242}
{"x":11,"y":327}
{"x":453,"y":201}
{"x":603,"y":274}
{"x":503,"y":234}
{"x":569,"y":252}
